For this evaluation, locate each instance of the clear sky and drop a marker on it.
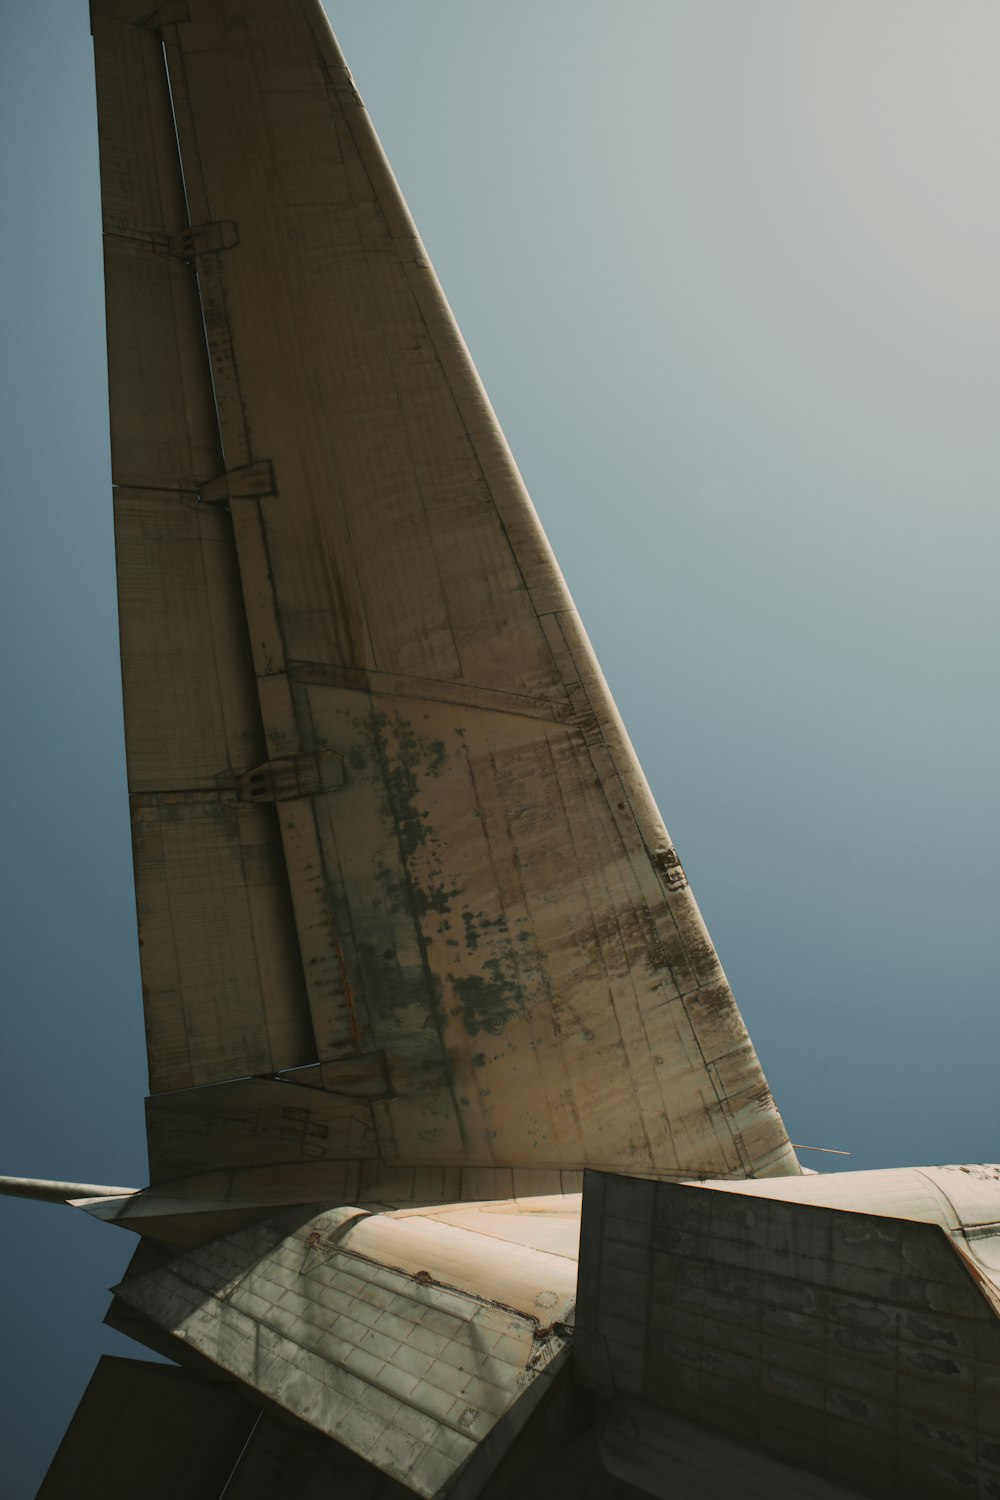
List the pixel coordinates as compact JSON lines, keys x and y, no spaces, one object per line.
{"x":729,"y":272}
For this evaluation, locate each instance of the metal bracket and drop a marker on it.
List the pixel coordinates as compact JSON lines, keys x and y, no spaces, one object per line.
{"x":203,"y":239}
{"x":667,"y":864}
{"x":293,"y":776}
{"x":251,"y":482}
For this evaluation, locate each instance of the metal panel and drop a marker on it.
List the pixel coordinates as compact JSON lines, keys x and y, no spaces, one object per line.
{"x":217,"y":949}
{"x":254,"y":1122}
{"x":163,"y":428}
{"x":222,"y":975}
{"x":859,"y":1346}
{"x":490,"y":897}
{"x":151,"y":1430}
{"x":399,"y":1336}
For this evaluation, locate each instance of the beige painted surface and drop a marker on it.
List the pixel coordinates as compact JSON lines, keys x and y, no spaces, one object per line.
{"x":964,"y":1200}
{"x":384,"y":807}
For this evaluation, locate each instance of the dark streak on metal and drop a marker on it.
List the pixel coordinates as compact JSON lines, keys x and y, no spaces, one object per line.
{"x":412,"y":833}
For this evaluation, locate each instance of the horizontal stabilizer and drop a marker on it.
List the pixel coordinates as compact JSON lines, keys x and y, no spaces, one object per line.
{"x":421,"y":1340}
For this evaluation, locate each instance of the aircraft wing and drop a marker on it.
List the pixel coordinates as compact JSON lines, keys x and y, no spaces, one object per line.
{"x":388,"y":828}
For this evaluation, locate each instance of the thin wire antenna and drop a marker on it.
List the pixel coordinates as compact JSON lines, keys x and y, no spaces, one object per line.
{"x":240,"y":1456}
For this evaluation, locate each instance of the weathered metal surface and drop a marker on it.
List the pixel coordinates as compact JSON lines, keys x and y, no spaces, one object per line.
{"x":254,"y":1122}
{"x":963,"y":1200}
{"x":164,"y":1418}
{"x":402,"y":1336}
{"x":223,"y":986}
{"x":852,"y":1343}
{"x":329,"y":560}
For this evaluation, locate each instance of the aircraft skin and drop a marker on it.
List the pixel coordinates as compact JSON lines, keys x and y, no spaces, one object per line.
{"x":464,"y":908}
{"x":417,"y":950}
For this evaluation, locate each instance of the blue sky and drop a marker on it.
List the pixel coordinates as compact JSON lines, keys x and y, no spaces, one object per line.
{"x":729,"y":275}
